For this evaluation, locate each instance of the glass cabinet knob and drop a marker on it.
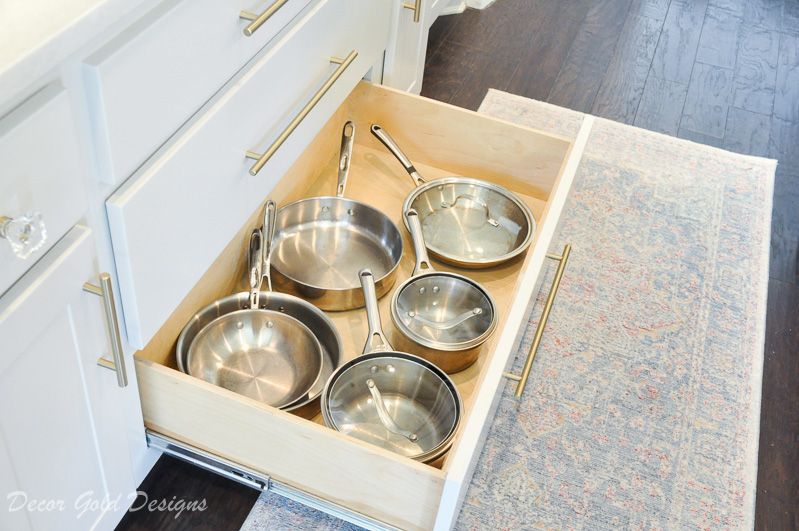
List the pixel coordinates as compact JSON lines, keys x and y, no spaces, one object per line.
{"x":25,"y":233}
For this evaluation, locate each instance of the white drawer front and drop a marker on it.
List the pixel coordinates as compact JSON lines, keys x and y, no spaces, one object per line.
{"x":41,"y":172}
{"x":148,"y":81}
{"x":173,"y":218}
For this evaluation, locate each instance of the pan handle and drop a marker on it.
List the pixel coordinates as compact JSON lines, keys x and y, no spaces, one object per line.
{"x":395,"y":150}
{"x":377,"y":341}
{"x":347,"y":141}
{"x":270,"y":217}
{"x":255,"y":252}
{"x":422,"y":259}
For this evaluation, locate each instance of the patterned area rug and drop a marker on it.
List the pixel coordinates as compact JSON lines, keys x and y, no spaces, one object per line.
{"x":643,"y":407}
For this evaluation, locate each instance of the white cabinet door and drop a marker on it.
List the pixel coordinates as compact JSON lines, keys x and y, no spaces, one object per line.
{"x":64,"y":458}
{"x":405,"y":57}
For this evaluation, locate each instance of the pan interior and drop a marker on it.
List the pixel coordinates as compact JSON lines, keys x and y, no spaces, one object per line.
{"x":325,"y":241}
{"x":446,"y":310}
{"x":417,"y":399}
{"x":457,"y":226}
{"x":267,"y":356}
{"x":305,"y":312}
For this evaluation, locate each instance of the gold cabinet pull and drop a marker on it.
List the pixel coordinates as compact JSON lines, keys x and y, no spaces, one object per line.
{"x":258,"y":20}
{"x":104,"y":291}
{"x":262,"y":159}
{"x":416,"y":8}
{"x":539,"y":331}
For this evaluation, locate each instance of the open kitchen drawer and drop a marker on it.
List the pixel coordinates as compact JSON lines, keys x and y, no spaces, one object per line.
{"x":304,"y":455}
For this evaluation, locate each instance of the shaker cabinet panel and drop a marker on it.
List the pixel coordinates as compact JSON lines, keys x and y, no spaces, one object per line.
{"x":60,"y":425}
{"x":41,"y":173}
{"x":150,"y":79}
{"x":406,"y":56}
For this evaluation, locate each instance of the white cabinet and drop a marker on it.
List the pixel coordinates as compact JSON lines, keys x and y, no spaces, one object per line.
{"x":64,"y":456}
{"x":405,"y":56}
{"x":203,"y":169}
{"x":150,"y":79}
{"x":31,"y":182}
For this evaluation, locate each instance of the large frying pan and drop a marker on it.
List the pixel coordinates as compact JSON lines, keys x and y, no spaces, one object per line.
{"x":466,"y":222}
{"x":321,"y":244}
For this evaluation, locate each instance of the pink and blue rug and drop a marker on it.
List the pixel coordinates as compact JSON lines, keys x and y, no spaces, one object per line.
{"x":643,"y":407}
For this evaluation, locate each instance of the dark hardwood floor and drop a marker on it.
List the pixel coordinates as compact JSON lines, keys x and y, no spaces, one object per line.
{"x":720,"y":72}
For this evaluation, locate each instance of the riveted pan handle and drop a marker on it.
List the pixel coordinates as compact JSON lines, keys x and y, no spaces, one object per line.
{"x":377,"y":341}
{"x":395,"y":150}
{"x":255,"y":253}
{"x":539,"y":331}
{"x":422,"y":260}
{"x":270,"y":221}
{"x":345,"y":155}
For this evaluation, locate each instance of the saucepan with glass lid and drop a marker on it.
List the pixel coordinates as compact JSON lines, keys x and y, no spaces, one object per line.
{"x":392,"y":399}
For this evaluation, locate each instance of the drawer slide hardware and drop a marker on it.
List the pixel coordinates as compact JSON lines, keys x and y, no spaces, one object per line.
{"x":257,"y":480}
{"x":264,"y":158}
{"x":539,"y":331}
{"x":104,"y":291}
{"x":416,"y":8}
{"x":258,"y":20}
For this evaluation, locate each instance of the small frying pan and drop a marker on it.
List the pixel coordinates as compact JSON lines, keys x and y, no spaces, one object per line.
{"x":448,"y":313}
{"x":467,"y":222}
{"x":262,"y":354}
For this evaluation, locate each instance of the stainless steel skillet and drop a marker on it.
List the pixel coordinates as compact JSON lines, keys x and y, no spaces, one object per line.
{"x":323,"y":328}
{"x":262,"y":354}
{"x":467,"y":222}
{"x":321,"y":243}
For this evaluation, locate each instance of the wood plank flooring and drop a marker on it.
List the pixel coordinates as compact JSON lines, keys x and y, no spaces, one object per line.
{"x":720,"y":72}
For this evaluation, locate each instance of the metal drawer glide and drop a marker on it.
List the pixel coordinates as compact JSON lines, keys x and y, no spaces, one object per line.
{"x":256,"y":480}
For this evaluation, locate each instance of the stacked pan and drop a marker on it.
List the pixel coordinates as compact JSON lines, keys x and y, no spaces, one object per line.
{"x":332,"y":253}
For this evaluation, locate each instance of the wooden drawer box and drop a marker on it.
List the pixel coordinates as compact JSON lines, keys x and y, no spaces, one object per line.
{"x":441,"y":140}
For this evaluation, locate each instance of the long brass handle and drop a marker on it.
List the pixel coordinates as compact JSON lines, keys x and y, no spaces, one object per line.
{"x":539,"y":331}
{"x":258,"y":20}
{"x":104,"y":291}
{"x":416,"y":8}
{"x":263,"y":159}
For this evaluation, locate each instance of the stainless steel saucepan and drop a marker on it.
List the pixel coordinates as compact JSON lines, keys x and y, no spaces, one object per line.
{"x":262,"y":354}
{"x":448,"y":314}
{"x":467,"y":222}
{"x":392,"y":399}
{"x":322,"y":327}
{"x":321,"y":243}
